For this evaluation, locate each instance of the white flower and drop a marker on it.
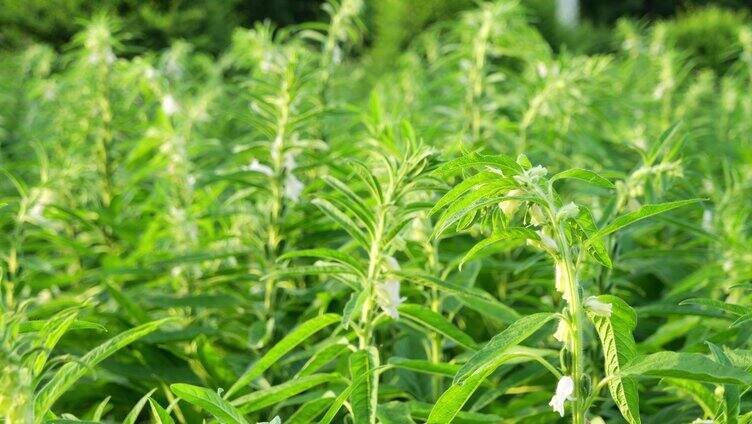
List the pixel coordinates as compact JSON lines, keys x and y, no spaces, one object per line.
{"x":701,"y":421}
{"x":509,"y":206}
{"x":598,"y":307}
{"x":336,"y":55}
{"x":564,"y":390}
{"x":561,"y":280}
{"x":388,"y":297}
{"x":536,"y":215}
{"x":532,"y":175}
{"x":562,"y":332}
{"x":293,"y":187}
{"x":568,"y":211}
{"x":150,"y":73}
{"x":707,"y":220}
{"x":275,"y":420}
{"x":290,"y":163}
{"x":256,"y":166}
{"x":388,"y":292}
{"x":547,"y":241}
{"x":392,"y":263}
{"x":169,"y":105}
{"x":536,"y":172}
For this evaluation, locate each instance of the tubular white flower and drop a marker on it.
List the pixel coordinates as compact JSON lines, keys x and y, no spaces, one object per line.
{"x":290,"y":163}
{"x":536,"y":215}
{"x":537,"y":172}
{"x":564,"y":390}
{"x":598,"y":307}
{"x":562,"y":332}
{"x":293,"y":187}
{"x":508,"y":207}
{"x":532,"y":175}
{"x":388,"y":291}
{"x":169,"y":105}
{"x":256,"y":166}
{"x":388,"y":297}
{"x":561,"y":280}
{"x":392,"y":263}
{"x":568,"y":211}
{"x":275,"y":420}
{"x":547,"y":240}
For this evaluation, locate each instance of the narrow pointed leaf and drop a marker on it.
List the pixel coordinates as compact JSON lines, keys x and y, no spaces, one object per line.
{"x":513,"y":335}
{"x":364,"y":397}
{"x":289,"y":342}
{"x":646,"y":211}
{"x":209,"y":401}
{"x":615,"y":334}
{"x":436,"y":322}
{"x":691,"y":366}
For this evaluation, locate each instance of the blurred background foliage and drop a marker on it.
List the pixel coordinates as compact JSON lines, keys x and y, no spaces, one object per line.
{"x":706,"y":29}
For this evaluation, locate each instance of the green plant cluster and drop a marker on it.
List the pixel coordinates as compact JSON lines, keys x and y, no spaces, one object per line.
{"x":485,"y":231}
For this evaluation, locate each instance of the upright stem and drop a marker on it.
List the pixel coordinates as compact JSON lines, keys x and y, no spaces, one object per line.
{"x":374,"y":259}
{"x":277,"y":193}
{"x":577,"y":330}
{"x":574,"y":306}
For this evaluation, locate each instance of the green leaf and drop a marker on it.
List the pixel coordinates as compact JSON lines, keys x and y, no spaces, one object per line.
{"x":468,"y":205}
{"x":353,"y":307}
{"x":718,"y":305}
{"x":513,"y":335}
{"x":131,"y":308}
{"x":394,"y":413}
{"x":160,"y":415}
{"x":364,"y":398}
{"x":40,"y":324}
{"x":308,"y":412}
{"x":69,"y":373}
{"x":729,"y":409}
{"x":312,"y":270}
{"x":344,"y":221}
{"x":463,"y":187}
{"x":424,"y":366}
{"x":323,"y":356}
{"x":355,"y":203}
{"x":328,"y":254}
{"x":699,"y":392}
{"x":454,"y":398}
{"x":209,"y":401}
{"x":338,"y":402}
{"x":289,"y":342}
{"x":596,"y":248}
{"x":214,"y":361}
{"x":137,"y":408}
{"x":584,"y":175}
{"x":50,"y":335}
{"x":476,"y":160}
{"x":473,"y":298}
{"x":263,"y":398}
{"x":515,"y":233}
{"x":645,"y":211}
{"x":615,"y":333}
{"x":436,"y":322}
{"x":691,"y":366}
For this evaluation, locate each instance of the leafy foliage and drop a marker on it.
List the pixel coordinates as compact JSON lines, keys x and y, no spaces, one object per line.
{"x":483,"y":230}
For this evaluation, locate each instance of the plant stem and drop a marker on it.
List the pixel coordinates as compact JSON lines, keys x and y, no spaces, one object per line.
{"x":574,"y":305}
{"x":374,"y":259}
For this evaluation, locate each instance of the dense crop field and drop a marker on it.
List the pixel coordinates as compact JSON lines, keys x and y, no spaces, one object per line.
{"x":485,"y":230}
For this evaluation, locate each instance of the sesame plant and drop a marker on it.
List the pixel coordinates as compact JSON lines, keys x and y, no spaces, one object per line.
{"x":490,"y":228}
